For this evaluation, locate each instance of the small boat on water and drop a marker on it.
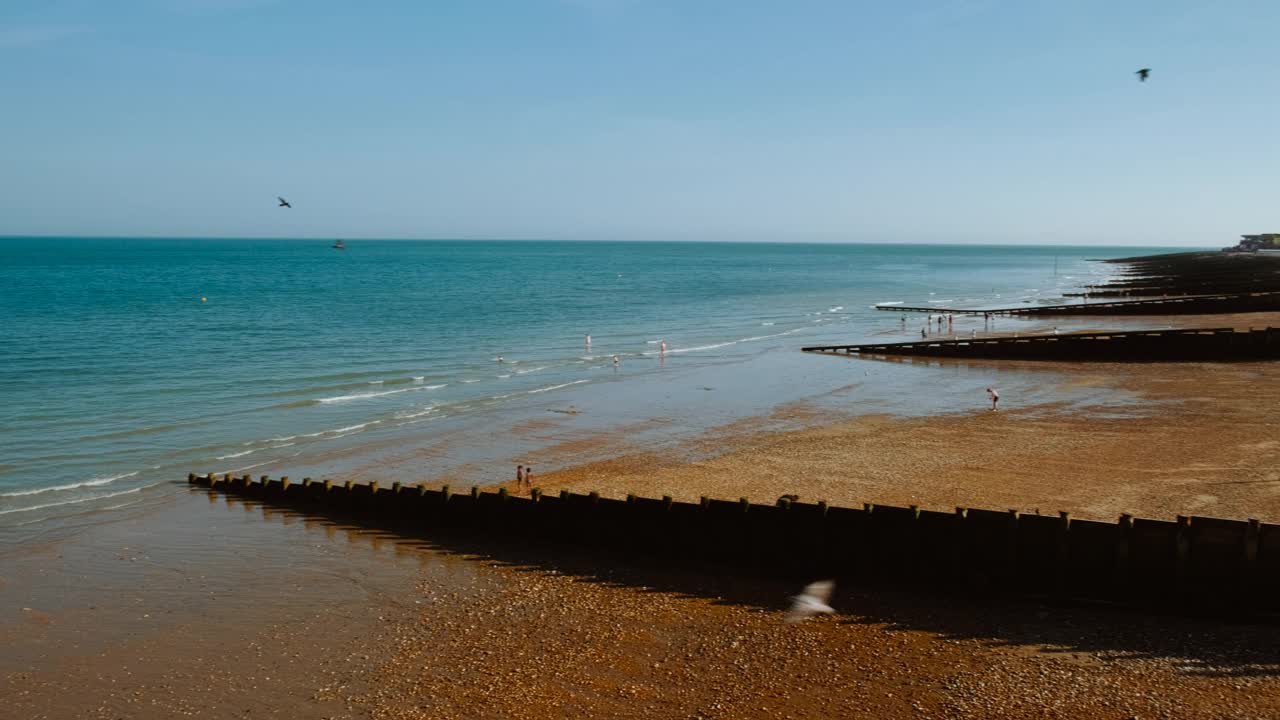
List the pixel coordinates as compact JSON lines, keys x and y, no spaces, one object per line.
{"x":339,"y":245}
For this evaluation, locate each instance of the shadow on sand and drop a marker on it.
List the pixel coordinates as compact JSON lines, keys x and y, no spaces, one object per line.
{"x":1200,"y":646}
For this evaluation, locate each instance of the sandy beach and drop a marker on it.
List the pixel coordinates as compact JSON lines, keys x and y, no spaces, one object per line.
{"x":479,"y":629}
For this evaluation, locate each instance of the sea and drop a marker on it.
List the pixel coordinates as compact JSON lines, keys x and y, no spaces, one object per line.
{"x":129,"y":362}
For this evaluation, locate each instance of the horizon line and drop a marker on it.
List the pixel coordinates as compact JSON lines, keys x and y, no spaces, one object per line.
{"x":348,"y":238}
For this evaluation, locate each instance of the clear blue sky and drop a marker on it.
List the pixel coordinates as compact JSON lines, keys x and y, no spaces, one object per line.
{"x":1016,"y":121}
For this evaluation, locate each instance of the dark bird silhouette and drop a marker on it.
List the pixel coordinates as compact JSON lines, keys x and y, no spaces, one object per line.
{"x":283,"y":202}
{"x":1143,"y":74}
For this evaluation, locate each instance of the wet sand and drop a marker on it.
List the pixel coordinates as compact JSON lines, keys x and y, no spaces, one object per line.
{"x":296,"y":618}
{"x":1203,"y":444}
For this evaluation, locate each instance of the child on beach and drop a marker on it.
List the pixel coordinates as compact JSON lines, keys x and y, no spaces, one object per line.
{"x":528,"y":477}
{"x":995,"y":397}
{"x":519,"y":476}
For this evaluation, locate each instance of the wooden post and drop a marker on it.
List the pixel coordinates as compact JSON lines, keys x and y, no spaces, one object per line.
{"x":422,"y":489}
{"x":373,"y":487}
{"x":564,"y":494}
{"x":445,"y":492}
{"x":535,"y":494}
{"x":1062,"y":553}
{"x":328,"y":485}
{"x":1121,"y":580}
{"x":784,"y":503}
{"x":284,"y":483}
{"x":346,"y":485}
{"x":395,"y":487}
{"x":1249,"y":568}
{"x":306,"y":482}
{"x":1182,"y":550}
{"x":475,"y":492}
{"x":191,"y":478}
{"x":666,"y":502}
{"x":631,"y":498}
{"x":502,"y":493}
{"x":595,"y":496}
{"x":744,"y":505}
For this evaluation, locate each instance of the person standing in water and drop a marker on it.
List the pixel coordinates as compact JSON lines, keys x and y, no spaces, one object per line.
{"x":615,"y":359}
{"x":995,"y":397}
{"x":662,"y":348}
{"x":588,"y":342}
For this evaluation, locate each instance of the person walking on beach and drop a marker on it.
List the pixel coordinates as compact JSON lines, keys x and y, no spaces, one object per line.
{"x":924,"y":333}
{"x":995,"y":397}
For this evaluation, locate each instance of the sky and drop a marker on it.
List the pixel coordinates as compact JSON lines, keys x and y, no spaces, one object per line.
{"x":1000,"y":121}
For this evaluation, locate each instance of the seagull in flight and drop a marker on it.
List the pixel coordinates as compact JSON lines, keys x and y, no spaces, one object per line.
{"x":812,"y":601}
{"x":1143,"y":74}
{"x":283,"y":202}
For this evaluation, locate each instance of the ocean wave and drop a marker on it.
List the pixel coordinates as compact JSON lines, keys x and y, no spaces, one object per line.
{"x":95,"y":482}
{"x":698,"y":348}
{"x":70,"y":502}
{"x":406,"y":415}
{"x":536,"y":369}
{"x":766,"y":324}
{"x":235,"y":455}
{"x":556,"y":387}
{"x":368,"y":395}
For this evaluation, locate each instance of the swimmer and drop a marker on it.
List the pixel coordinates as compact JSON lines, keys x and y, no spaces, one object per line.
{"x":500,"y":359}
{"x":615,"y":360}
{"x":588,"y":341}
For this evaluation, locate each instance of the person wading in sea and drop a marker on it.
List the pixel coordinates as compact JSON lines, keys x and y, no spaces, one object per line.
{"x":995,"y":397}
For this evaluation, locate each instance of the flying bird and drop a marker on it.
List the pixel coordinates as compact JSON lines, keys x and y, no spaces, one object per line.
{"x":283,"y":202}
{"x":1143,"y":74}
{"x":812,"y":601}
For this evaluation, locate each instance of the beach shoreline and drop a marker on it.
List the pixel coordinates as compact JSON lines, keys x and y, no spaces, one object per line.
{"x":1195,"y":442}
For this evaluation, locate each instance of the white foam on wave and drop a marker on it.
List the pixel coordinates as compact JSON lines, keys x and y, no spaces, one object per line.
{"x":766,"y":324}
{"x":376,"y":382}
{"x":368,"y":395}
{"x":417,"y":379}
{"x":701,"y":347}
{"x":837,"y":308}
{"x":95,"y":482}
{"x":235,"y":455}
{"x":406,"y":415}
{"x":504,"y":377}
{"x":652,"y":342}
{"x":556,"y":387}
{"x":526,"y":372}
{"x":70,"y":502}
{"x":470,"y":381}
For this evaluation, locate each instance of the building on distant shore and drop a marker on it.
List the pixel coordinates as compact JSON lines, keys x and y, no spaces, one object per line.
{"x":1254,"y":243}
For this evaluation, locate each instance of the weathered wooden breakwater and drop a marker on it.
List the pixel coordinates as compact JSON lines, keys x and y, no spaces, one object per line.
{"x":1207,"y":344}
{"x":1194,"y":563}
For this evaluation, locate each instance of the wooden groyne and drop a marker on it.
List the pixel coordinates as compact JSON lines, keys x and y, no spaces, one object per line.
{"x":1210,"y":344}
{"x":1193,"y":563}
{"x":1182,"y":305}
{"x":1193,"y":273}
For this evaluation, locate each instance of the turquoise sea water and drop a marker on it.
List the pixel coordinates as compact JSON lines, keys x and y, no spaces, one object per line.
{"x":129,"y":362}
